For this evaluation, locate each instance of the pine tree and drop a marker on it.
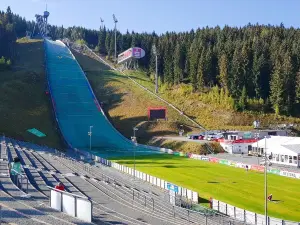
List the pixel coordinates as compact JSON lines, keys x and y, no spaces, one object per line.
{"x":193,"y":63}
{"x":223,"y":71}
{"x":200,"y":72}
{"x":108,"y":44}
{"x":178,"y":63}
{"x":102,"y":39}
{"x":277,"y":90}
{"x":298,"y":87}
{"x":243,"y":99}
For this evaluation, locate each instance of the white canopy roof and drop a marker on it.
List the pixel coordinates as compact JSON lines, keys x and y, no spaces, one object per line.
{"x":282,"y":145}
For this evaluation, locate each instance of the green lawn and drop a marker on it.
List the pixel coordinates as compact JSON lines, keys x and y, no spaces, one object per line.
{"x":232,"y":185}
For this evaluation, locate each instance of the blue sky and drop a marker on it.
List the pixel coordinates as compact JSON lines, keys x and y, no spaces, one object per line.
{"x":160,"y":15}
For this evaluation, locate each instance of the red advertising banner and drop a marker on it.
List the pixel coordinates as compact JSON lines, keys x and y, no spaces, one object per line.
{"x":257,"y":168}
{"x":214,"y":160}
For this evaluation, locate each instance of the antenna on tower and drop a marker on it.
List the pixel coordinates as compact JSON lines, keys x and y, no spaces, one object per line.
{"x":101,"y":22}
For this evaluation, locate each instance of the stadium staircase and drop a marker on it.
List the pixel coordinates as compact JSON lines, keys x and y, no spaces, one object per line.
{"x":116,"y":197}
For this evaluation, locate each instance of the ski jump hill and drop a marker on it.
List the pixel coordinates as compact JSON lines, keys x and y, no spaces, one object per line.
{"x":76,"y":107}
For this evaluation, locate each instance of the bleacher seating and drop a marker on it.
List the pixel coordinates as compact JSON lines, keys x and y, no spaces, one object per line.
{"x":116,"y":197}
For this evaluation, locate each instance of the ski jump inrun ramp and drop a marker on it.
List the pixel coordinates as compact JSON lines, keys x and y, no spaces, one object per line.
{"x":75,"y":105}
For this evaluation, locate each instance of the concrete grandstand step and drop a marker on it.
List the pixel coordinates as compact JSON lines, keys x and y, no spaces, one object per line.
{"x":122,"y":198}
{"x":28,"y":210}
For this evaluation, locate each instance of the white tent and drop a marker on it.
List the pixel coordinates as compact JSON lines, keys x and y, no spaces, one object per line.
{"x":284,"y":150}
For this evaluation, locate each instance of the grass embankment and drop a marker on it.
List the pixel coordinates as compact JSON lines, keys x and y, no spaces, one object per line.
{"x":211,"y":115}
{"x":234,"y":186}
{"x":188,"y":147}
{"x":126,"y":104}
{"x":24,"y":104}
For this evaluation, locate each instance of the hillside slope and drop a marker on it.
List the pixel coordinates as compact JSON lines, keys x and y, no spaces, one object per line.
{"x":126,"y":104}
{"x":24,"y":104}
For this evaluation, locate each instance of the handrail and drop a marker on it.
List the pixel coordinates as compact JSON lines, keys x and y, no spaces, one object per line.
{"x":68,"y":193}
{"x":22,"y":175}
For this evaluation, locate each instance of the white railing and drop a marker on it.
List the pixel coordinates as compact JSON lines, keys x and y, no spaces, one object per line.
{"x":246,"y":216}
{"x":71,"y":204}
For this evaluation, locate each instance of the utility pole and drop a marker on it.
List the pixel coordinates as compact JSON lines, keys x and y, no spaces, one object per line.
{"x":156,"y":68}
{"x":115,"y":21}
{"x":266,"y":183}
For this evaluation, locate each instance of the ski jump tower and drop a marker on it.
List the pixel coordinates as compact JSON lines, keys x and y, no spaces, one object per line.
{"x":129,"y":58}
{"x":42,"y":24}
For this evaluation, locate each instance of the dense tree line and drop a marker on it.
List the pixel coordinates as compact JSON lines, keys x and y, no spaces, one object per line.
{"x":253,"y":64}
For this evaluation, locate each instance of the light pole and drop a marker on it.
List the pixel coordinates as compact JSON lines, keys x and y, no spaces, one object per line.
{"x":156,"y":69}
{"x":115,"y":20}
{"x":257,"y":139}
{"x":101,"y":23}
{"x":266,"y":183}
{"x":90,"y":134}
{"x":135,"y":143}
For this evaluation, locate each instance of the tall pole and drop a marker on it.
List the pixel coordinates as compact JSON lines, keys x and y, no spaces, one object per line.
{"x":115,"y":20}
{"x":266,"y":183}
{"x":115,"y":42}
{"x":257,"y":138}
{"x":135,"y":143}
{"x":156,"y":75}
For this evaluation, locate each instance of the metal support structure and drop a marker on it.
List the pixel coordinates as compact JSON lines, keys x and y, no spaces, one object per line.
{"x":115,"y":21}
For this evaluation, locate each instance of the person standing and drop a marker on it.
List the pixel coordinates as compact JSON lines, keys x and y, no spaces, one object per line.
{"x":15,"y":168}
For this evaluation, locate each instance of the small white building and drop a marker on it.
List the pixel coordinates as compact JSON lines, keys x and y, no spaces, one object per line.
{"x":284,"y":150}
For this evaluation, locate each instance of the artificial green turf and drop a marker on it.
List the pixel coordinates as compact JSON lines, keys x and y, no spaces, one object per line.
{"x":232,"y":185}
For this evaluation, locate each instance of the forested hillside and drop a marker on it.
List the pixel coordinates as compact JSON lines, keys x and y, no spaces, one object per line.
{"x":255,"y":67}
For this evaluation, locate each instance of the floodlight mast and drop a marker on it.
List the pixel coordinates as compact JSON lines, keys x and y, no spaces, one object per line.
{"x":115,"y":21}
{"x":101,"y":23}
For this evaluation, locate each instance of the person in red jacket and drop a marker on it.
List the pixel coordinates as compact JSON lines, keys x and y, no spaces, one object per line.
{"x":60,"y":187}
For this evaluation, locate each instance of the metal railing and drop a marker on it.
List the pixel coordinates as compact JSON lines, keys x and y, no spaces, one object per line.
{"x":19,"y":179}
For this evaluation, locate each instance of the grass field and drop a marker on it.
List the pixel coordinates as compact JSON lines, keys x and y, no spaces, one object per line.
{"x":24,"y":104}
{"x":232,"y":185}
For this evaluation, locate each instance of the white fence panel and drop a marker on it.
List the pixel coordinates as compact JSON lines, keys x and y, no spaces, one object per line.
{"x":215,"y":204}
{"x":144,"y":177}
{"x":189,"y":194}
{"x":148,"y":178}
{"x":158,"y":182}
{"x":129,"y":171}
{"x":55,"y":202}
{"x":162,"y":184}
{"x":222,"y":207}
{"x":239,"y":214}
{"x":195,"y":196}
{"x":260,"y":220}
{"x":154,"y":180}
{"x":184,"y":192}
{"x":230,"y":210}
{"x":274,"y":221}
{"x":84,"y":210}
{"x":68,"y":205}
{"x":250,"y":217}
